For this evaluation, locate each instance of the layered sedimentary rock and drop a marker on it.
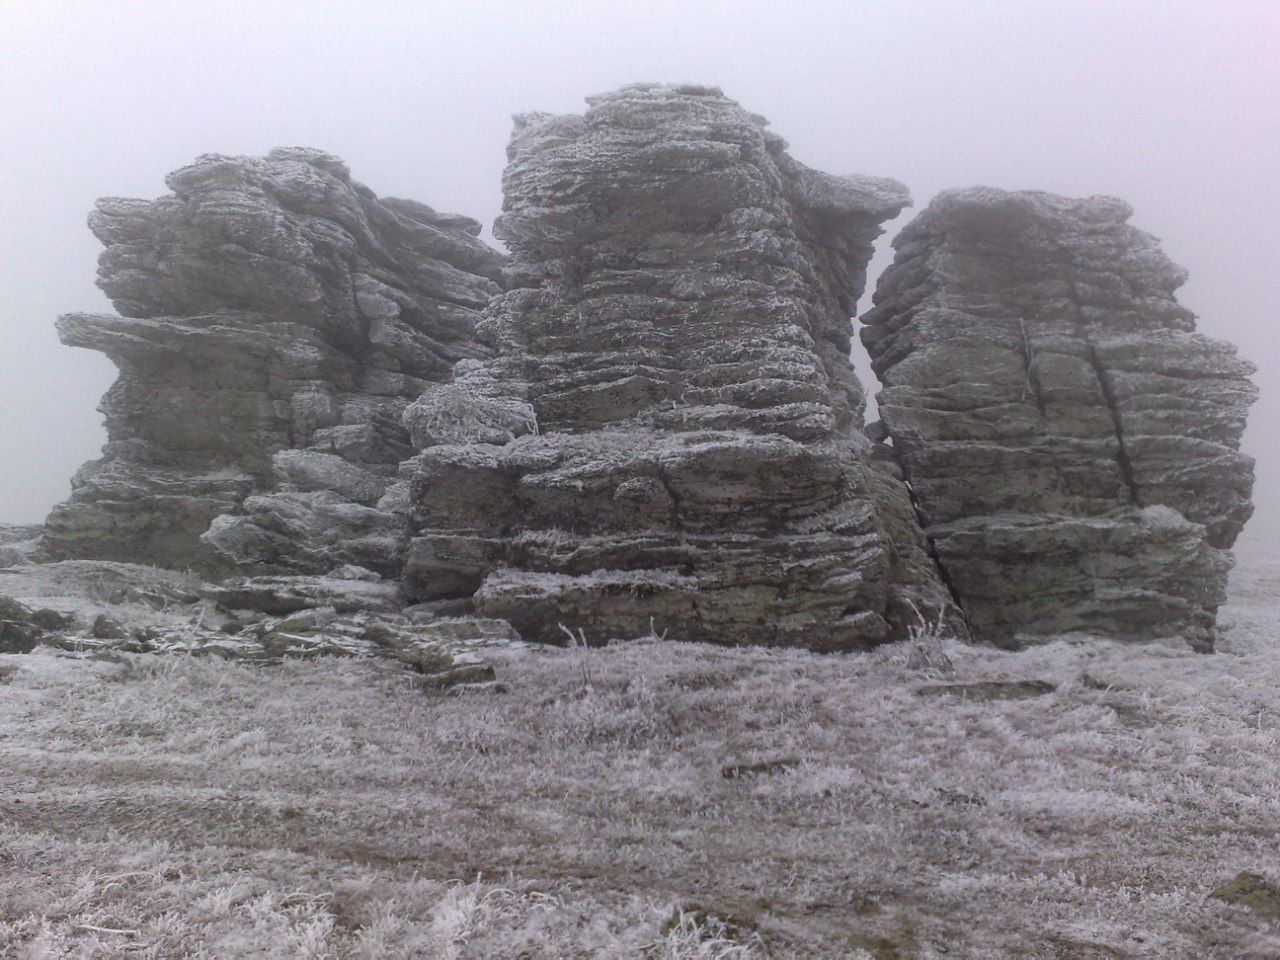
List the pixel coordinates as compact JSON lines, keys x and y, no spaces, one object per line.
{"x":1072,"y":443}
{"x":275,"y":319}
{"x":19,"y":543}
{"x":668,"y":434}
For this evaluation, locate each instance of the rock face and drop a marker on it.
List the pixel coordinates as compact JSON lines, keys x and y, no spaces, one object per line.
{"x":668,"y":434}
{"x":275,"y":319}
{"x":1071,"y":442}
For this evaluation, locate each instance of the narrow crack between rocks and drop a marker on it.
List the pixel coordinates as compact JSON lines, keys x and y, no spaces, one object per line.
{"x":931,"y":548}
{"x":675,"y":497}
{"x":930,"y":545}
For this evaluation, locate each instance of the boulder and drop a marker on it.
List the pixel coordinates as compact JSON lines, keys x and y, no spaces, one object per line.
{"x":20,"y":543}
{"x":18,"y":632}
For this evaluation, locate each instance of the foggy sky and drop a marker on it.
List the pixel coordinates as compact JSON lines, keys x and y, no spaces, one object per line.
{"x":1173,"y":106}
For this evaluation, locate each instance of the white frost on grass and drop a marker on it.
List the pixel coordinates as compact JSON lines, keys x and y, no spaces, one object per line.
{"x":182,"y":808}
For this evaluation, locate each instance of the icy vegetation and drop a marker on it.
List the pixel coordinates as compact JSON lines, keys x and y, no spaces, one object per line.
{"x":1082,"y":799}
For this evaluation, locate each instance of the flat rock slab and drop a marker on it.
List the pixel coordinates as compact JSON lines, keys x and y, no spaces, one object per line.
{"x":764,"y":768}
{"x":284,"y":595}
{"x":1255,"y":893}
{"x":989,"y":690}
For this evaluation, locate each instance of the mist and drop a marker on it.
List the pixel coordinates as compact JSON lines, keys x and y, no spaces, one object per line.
{"x":1172,"y":106}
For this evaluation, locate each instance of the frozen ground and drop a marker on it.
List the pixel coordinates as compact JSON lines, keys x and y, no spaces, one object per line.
{"x":649,"y":800}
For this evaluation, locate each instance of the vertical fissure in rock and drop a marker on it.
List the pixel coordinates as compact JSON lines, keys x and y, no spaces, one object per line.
{"x":931,"y":548}
{"x":673,"y":494}
{"x":1108,"y":395}
{"x":930,"y":543}
{"x":1029,"y":361}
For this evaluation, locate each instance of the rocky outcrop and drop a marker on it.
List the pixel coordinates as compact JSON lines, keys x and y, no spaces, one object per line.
{"x":646,"y":420}
{"x":1071,"y":442}
{"x":102,"y":609}
{"x":667,"y":437}
{"x":20,"y":543}
{"x":276,"y":317}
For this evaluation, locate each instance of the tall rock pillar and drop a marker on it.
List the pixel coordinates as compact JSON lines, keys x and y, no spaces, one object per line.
{"x":668,"y":435}
{"x":1071,"y":441}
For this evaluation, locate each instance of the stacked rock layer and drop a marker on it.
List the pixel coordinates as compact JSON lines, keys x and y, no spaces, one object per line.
{"x":1071,"y":442}
{"x":668,"y":436}
{"x":275,"y":319}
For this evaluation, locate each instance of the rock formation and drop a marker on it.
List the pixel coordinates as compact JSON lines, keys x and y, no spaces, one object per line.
{"x":275,"y":319}
{"x":19,"y":543}
{"x":647,"y":420}
{"x":1071,"y":442}
{"x":668,"y":437}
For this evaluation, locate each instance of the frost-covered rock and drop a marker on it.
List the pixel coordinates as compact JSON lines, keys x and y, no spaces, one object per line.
{"x":678,"y":329}
{"x":646,"y":420}
{"x":472,"y":408}
{"x":100,"y":608}
{"x":1072,"y":443}
{"x":286,"y":594}
{"x":267,"y":304}
{"x":19,"y":633}
{"x":20,"y":543}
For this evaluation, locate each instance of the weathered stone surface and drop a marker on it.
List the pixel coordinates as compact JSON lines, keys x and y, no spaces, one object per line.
{"x":276,"y":319}
{"x":328,"y":398}
{"x":20,"y":543}
{"x":668,"y":437}
{"x":287,"y":594}
{"x":104,"y":609}
{"x":1071,"y":442}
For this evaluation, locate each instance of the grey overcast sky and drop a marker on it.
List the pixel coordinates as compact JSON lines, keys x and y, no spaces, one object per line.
{"x":1174,"y":106}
